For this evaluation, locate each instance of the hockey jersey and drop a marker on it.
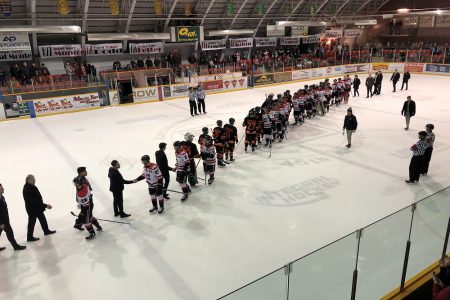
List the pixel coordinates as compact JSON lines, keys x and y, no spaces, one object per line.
{"x":182,"y":159}
{"x":84,"y":195}
{"x":230,"y":132}
{"x":208,"y":154}
{"x":250,"y":123}
{"x":152,"y":175}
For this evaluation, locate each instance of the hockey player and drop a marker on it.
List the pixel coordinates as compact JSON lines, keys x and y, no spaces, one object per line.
{"x":84,"y":198}
{"x":259,"y":124}
{"x":296,"y":105}
{"x":268,"y":101}
{"x":250,"y":123}
{"x":155,"y":181}
{"x":328,"y":95}
{"x":219,"y":142}
{"x":347,"y":88}
{"x":231,"y":138}
{"x":205,"y":132}
{"x":182,"y":166}
{"x":191,"y":149}
{"x":208,"y":152}
{"x":334,"y":90}
{"x":267,"y":123}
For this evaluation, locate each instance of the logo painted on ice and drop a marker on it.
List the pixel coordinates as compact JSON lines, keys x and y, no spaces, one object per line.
{"x":302,"y":193}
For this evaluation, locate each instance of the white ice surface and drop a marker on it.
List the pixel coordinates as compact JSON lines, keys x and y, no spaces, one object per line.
{"x":228,"y":234}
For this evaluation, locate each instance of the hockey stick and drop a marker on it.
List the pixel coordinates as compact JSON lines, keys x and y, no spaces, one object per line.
{"x":175,"y":191}
{"x":73,"y":214}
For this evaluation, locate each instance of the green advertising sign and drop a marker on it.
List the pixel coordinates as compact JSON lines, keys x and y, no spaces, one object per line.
{"x":188,"y":33}
{"x":23,"y":108}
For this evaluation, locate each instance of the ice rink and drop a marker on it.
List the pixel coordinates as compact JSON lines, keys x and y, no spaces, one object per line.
{"x":259,"y":214}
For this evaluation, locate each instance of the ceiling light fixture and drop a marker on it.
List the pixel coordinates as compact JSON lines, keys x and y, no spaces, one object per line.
{"x":403,"y":10}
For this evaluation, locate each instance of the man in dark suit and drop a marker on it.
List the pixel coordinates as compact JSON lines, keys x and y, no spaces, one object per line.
{"x":369,"y":84}
{"x":116,"y":187}
{"x":378,"y":82}
{"x":161,"y":161}
{"x":406,"y":77}
{"x":356,"y":83}
{"x":35,"y":208}
{"x":408,"y":110}
{"x":395,"y":78}
{"x":4,"y":223}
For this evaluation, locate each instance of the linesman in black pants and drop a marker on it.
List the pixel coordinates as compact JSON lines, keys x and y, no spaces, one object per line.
{"x":416,"y":164}
{"x":201,"y":99}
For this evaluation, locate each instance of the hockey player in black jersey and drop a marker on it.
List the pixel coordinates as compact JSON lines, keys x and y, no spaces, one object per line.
{"x":219,"y":142}
{"x":231,"y":139}
{"x":250,"y":123}
{"x":192,"y":152}
{"x":205,"y":132}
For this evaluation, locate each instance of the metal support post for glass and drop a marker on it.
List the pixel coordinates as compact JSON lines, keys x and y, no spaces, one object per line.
{"x":420,"y":54}
{"x":370,"y":55}
{"x":51,"y":79}
{"x":407,"y":53}
{"x":32,"y":84}
{"x":382,"y":54}
{"x":408,"y":247}
{"x":287,"y":272}
{"x":444,"y":250}
{"x":432,"y":53}
{"x":355,"y":272}
{"x":359,"y":56}
{"x":393,"y":56}
{"x":443,"y":57}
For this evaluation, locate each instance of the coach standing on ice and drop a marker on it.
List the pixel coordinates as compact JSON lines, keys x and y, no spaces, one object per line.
{"x":395,"y":78}
{"x":116,"y":187}
{"x":369,"y":84}
{"x":5,"y":224}
{"x":161,"y":161}
{"x":356,"y":83}
{"x":406,"y":77}
{"x":350,"y":124}
{"x":408,"y":110}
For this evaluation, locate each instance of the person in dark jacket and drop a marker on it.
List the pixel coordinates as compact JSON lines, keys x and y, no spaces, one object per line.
{"x":406,"y":77}
{"x":350,"y":125}
{"x":395,"y":78}
{"x":369,"y":84}
{"x":356,"y":83}
{"x":161,"y":161}
{"x":35,"y":208}
{"x":408,"y":110}
{"x":5,"y":224}
{"x":116,"y":187}
{"x":378,"y":83}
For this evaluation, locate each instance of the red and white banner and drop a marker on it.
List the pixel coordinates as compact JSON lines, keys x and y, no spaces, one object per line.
{"x":215,"y":85}
{"x":213,"y":44}
{"x":241,"y":43}
{"x":265,"y":42}
{"x":60,"y":51}
{"x":232,"y":84}
{"x":65,"y":103}
{"x":352,"y":33}
{"x":103,"y":49}
{"x":16,"y":55}
{"x":289,"y":41}
{"x":146,"y":48}
{"x":414,"y":67}
{"x":333,"y":33}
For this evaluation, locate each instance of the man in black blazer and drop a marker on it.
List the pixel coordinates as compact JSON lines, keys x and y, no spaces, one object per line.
{"x":378,"y":82}
{"x":395,"y":78}
{"x":161,"y":161}
{"x":35,"y":208}
{"x":406,"y":77}
{"x":116,"y":187}
{"x":408,"y":110}
{"x":4,"y":223}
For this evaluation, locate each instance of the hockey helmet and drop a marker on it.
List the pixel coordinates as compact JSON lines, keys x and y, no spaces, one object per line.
{"x":257,"y":109}
{"x":279,"y":96}
{"x":270,"y":96}
{"x":430,"y":126}
{"x":335,"y":80}
{"x":189,"y":137}
{"x":422,"y":133}
{"x":219,"y":123}
{"x":145,"y":158}
{"x":205,"y":130}
{"x":207,"y":140}
{"x":177,"y":144}
{"x":231,"y":120}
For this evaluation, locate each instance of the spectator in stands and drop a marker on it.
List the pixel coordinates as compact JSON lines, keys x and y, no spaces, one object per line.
{"x":34,"y":71}
{"x":149,"y":62}
{"x":83,"y":72}
{"x":94,"y":73}
{"x":2,"y":78}
{"x":69,"y":71}
{"x":44,"y":70}
{"x":157,"y":62}
{"x":170,"y":60}
{"x":140,"y":63}
{"x":26,"y":74}
{"x":441,"y":281}
{"x":88,"y":72}
{"x":117,"y":66}
{"x":133,"y":64}
{"x":191,"y":59}
{"x":15,"y":71}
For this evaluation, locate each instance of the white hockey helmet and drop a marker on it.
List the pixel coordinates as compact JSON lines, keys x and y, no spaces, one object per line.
{"x":189,"y":137}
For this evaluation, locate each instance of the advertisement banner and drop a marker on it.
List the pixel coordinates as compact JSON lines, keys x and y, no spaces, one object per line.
{"x":414,"y":67}
{"x":65,"y":103}
{"x":337,"y":70}
{"x":300,"y":74}
{"x":232,"y":84}
{"x":241,"y":43}
{"x":388,"y":67}
{"x":14,"y":41}
{"x":187,"y":33}
{"x":103,"y":49}
{"x":400,"y":67}
{"x":333,"y":33}
{"x":311,"y":39}
{"x":145,"y":94}
{"x":265,"y":42}
{"x":146,"y":48}
{"x":214,"y":85}
{"x":436,"y":68}
{"x":113,"y":97}
{"x":213,"y":44}
{"x":264,"y":79}
{"x":289,"y":41}
{"x":360,"y":68}
{"x":180,"y":90}
{"x":16,"y":55}
{"x":352,"y":33}
{"x":299,"y":30}
{"x":60,"y":51}
{"x":282,"y":77}
{"x":167,"y":92}
{"x":380,"y":66}
{"x":320,"y":72}
{"x":274,"y":30}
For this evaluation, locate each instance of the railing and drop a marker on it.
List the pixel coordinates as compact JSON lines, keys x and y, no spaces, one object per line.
{"x":366,"y":264}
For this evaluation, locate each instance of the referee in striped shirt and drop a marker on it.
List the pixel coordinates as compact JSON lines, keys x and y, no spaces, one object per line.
{"x":430,"y":141}
{"x":417,"y":160}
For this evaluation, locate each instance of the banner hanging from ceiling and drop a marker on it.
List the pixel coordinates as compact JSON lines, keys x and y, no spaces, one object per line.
{"x":62,"y":7}
{"x":114,"y":6}
{"x":289,"y":41}
{"x":274,"y":30}
{"x":241,"y":43}
{"x":146,"y":48}
{"x":352,"y":33}
{"x":299,"y":30}
{"x":265,"y":42}
{"x":333,"y":33}
{"x":213,"y":44}
{"x":22,"y":55}
{"x":6,"y":8}
{"x":103,"y":49}
{"x":60,"y":51}
{"x":11,"y":41}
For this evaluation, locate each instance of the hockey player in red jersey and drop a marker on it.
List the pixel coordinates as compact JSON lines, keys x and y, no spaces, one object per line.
{"x":267,"y":124}
{"x":219,"y":142}
{"x":155,"y":181}
{"x":182,"y":167}
{"x":231,"y":138}
{"x":203,"y":135}
{"x":84,"y":198}
{"x":208,"y":152}
{"x":250,"y":123}
{"x":191,"y":150}
{"x":259,"y":124}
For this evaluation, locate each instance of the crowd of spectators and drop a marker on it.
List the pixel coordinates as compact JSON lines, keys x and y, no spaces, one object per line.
{"x":24,"y":73}
{"x":81,"y":71}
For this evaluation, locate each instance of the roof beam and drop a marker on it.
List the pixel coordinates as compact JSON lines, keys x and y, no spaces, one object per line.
{"x":342,"y":7}
{"x":172,"y":8}
{"x":31,"y":8}
{"x":382,"y":4}
{"x":361,"y":7}
{"x":264,"y":17}
{"x":85,"y":15}
{"x":207,"y":12}
{"x":130,"y":15}
{"x":320,"y":8}
{"x":295,"y":8}
{"x":237,"y":14}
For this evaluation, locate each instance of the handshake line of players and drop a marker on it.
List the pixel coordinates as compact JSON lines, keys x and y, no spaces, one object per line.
{"x":270,"y":121}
